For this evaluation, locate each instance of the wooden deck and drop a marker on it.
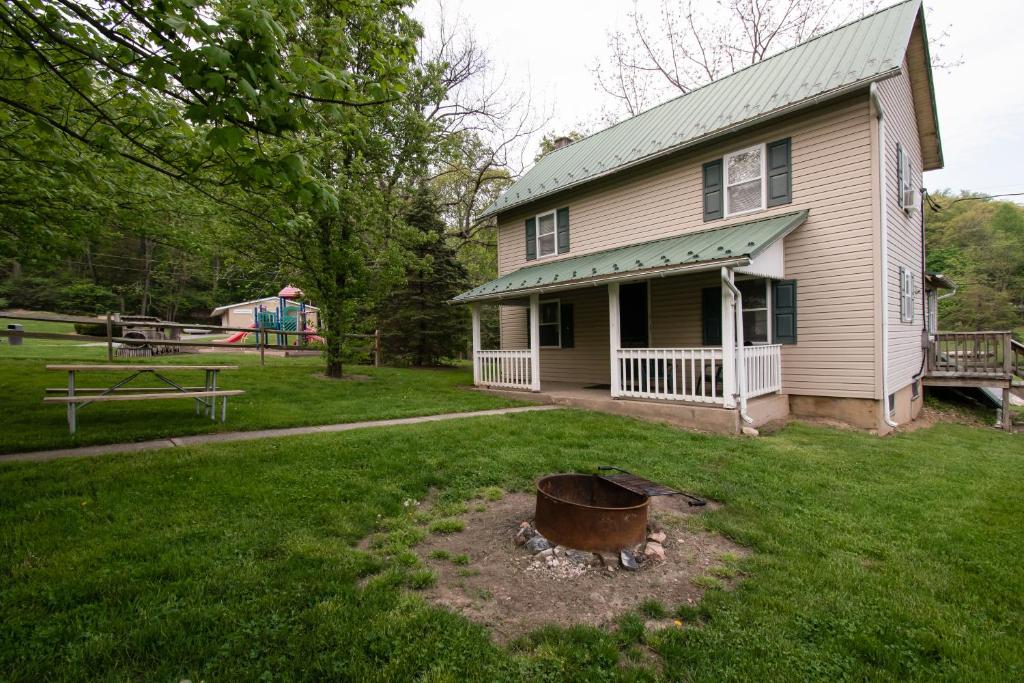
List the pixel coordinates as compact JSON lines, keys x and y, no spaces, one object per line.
{"x":991,"y":359}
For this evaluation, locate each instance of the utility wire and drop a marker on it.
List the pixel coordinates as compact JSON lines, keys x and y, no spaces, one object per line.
{"x":935,"y":206}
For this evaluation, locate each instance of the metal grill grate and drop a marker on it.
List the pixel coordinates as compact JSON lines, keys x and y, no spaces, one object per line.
{"x":646,"y":487}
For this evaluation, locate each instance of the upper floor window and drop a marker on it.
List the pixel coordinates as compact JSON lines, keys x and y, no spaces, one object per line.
{"x":747,"y":180}
{"x":744,"y":181}
{"x":905,"y":178}
{"x":546,"y":245}
{"x":547,"y":234}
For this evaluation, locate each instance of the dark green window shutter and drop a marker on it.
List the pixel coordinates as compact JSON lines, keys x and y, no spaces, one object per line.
{"x":784,"y":312}
{"x":529,"y":338}
{"x":563,"y":230}
{"x":711,"y":307}
{"x":568,"y":331}
{"x":713,"y":199}
{"x":780,"y":182}
{"x":531,"y":239}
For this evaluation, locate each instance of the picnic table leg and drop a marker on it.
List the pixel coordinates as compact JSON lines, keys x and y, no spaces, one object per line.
{"x":223,"y":409}
{"x":213,"y":399}
{"x":206,"y":387}
{"x":71,"y":406}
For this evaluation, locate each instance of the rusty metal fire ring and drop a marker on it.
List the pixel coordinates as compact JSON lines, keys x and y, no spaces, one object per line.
{"x":587,"y":512}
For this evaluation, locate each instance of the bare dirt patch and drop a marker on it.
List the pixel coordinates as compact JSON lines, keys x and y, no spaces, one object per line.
{"x":502,"y":587}
{"x":343,"y":378}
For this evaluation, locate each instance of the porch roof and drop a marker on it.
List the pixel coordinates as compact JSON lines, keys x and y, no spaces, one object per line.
{"x":734,"y":245}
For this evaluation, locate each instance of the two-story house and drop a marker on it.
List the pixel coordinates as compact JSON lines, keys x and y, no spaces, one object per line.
{"x":746,"y":251}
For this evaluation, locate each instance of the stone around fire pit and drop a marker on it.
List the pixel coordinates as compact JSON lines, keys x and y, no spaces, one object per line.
{"x":513,"y":591}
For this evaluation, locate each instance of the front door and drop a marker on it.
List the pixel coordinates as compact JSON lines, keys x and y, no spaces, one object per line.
{"x":633,"y":330}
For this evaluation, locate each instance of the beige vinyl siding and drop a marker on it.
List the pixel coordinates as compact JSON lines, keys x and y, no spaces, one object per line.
{"x":676,"y":309}
{"x":905,"y":353}
{"x":832,"y":255}
{"x":513,"y":332}
{"x":588,"y":361}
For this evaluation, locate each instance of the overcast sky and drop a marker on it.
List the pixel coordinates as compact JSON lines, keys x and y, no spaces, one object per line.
{"x":546,"y":48}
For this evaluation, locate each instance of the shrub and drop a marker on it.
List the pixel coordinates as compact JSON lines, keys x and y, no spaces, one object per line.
{"x":98,"y":329}
{"x":85,"y":297}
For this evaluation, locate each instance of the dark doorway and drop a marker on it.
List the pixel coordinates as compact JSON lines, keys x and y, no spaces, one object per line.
{"x":633,"y":315}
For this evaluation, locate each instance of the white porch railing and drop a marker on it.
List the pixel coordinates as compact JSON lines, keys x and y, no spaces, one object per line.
{"x":764,"y":369}
{"x":505,"y":368}
{"x":671,"y":374}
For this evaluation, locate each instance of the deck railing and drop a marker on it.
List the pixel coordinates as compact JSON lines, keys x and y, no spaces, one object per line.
{"x":693,"y":374}
{"x":970,"y":354}
{"x":505,"y":368}
{"x":764,"y":369}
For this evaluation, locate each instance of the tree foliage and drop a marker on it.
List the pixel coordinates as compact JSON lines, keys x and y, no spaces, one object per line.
{"x":979,"y":243}
{"x":419,"y":326}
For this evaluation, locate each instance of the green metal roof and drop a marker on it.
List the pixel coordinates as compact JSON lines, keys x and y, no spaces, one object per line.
{"x":694,"y":251}
{"x":830,"y":65}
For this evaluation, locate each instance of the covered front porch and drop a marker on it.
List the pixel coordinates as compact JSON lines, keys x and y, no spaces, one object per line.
{"x":631,"y":367}
{"x":705,"y":334}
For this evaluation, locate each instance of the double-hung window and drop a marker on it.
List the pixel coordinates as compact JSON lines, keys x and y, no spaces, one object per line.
{"x":905,"y":178}
{"x":546,"y":242}
{"x":906,"y":295}
{"x":756,"y":318}
{"x":744,"y":181}
{"x":550,"y":324}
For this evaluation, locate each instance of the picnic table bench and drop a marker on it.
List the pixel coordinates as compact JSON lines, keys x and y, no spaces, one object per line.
{"x":205,"y":397}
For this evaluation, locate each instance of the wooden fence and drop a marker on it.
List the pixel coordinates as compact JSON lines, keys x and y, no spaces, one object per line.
{"x":263,"y":335}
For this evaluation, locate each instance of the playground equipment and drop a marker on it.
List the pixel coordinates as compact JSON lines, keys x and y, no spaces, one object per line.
{"x":290,"y":316}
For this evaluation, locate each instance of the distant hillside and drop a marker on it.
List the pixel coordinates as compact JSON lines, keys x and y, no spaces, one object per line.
{"x":979,"y":243}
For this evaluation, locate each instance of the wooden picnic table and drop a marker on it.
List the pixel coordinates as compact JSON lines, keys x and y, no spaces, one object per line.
{"x":205,"y":397}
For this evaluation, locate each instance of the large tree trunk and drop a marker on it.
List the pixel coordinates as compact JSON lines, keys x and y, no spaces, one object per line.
{"x":332,"y":328}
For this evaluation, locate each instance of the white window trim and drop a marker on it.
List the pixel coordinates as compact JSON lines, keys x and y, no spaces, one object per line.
{"x":906,"y":176}
{"x":764,"y":185}
{"x":907,"y":296}
{"x":767,"y":308}
{"x":536,"y":237}
{"x":557,"y":323}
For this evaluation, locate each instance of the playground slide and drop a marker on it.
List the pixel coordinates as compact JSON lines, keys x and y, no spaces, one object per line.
{"x":238,"y":336}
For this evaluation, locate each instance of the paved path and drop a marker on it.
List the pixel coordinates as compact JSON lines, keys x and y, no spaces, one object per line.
{"x":223,"y":437}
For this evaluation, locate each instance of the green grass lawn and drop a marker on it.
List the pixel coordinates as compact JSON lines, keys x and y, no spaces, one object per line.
{"x":880,"y":559}
{"x":287,"y":392}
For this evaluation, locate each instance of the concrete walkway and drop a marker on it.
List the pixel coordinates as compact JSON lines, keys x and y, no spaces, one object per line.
{"x":225,"y":437}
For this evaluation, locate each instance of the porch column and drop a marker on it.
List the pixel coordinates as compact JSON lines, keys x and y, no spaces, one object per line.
{"x":614,"y":337}
{"x":475,"y":308}
{"x":535,"y":342}
{"x":728,"y":342}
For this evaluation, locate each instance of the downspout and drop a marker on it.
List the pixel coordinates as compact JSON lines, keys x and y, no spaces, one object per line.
{"x":945,"y":296}
{"x":741,"y":366}
{"x":884,"y":224}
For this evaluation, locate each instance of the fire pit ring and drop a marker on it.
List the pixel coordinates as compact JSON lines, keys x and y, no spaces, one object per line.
{"x":587,"y":512}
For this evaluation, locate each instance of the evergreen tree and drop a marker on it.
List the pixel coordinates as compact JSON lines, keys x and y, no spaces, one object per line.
{"x":419,"y":326}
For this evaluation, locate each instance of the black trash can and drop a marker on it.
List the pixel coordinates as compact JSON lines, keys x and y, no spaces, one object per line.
{"x":15,"y":339}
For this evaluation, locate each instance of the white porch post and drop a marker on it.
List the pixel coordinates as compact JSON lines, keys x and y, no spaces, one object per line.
{"x":476,"y":343}
{"x":535,"y":342}
{"x":728,"y":342}
{"x":614,"y":336}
